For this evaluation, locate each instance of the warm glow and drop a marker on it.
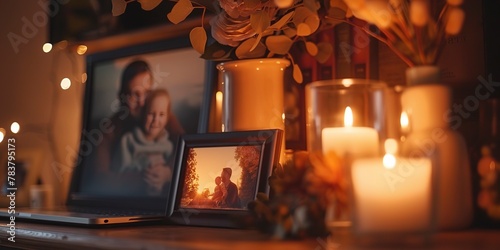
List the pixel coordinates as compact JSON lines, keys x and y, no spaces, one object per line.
{"x":65,"y":83}
{"x":348,"y":120}
{"x":15,"y":127}
{"x":389,"y":161}
{"x":81,"y":49}
{"x":391,"y":146}
{"x":84,"y":77}
{"x":62,"y":44}
{"x":347,"y":82}
{"x":218,"y":97}
{"x":404,"y":121}
{"x":2,"y":134}
{"x":47,"y":47}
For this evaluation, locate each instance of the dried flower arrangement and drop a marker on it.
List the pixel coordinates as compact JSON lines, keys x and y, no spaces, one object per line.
{"x":251,"y":28}
{"x":406,"y":26}
{"x":300,"y":197}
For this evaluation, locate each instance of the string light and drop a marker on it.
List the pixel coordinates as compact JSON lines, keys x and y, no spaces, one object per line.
{"x":84,"y":77}
{"x":82,"y":49}
{"x":15,"y":127}
{"x":65,"y":83}
{"x":2,"y":134}
{"x":47,"y":47}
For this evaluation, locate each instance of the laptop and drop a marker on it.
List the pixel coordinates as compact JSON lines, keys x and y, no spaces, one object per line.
{"x":102,"y":190}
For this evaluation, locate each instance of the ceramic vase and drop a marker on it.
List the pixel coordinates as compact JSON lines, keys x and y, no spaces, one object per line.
{"x":253,"y":94}
{"x":427,"y":103}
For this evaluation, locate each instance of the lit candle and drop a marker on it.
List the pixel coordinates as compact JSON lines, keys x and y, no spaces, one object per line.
{"x":392,"y":194}
{"x":355,"y":141}
{"x":218,"y":110}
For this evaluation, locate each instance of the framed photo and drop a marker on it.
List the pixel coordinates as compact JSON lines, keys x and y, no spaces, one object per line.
{"x":139,"y":100}
{"x":218,"y":174}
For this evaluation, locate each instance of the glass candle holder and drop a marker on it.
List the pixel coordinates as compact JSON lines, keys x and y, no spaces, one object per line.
{"x":346,"y":120}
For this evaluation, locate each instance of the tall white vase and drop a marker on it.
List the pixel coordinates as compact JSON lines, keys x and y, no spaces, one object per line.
{"x":427,"y":103}
{"x":253,"y":94}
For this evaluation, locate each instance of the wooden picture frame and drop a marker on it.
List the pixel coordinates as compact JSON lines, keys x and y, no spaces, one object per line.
{"x":244,"y":161}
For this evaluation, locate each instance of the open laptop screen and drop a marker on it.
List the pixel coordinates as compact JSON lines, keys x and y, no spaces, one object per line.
{"x":138,"y":101}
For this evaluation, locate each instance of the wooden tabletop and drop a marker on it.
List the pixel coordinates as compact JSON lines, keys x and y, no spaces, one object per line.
{"x":146,"y":237}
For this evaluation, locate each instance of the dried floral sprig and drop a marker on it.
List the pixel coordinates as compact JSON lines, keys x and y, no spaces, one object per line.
{"x":300,"y":195}
{"x":250,"y":28}
{"x":406,"y":26}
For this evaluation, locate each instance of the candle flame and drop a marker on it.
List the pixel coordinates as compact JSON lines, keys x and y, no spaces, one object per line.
{"x":403,"y":120}
{"x":348,"y":119}
{"x":218,"y":96}
{"x":347,"y":82}
{"x":389,"y":161}
{"x":391,"y":146}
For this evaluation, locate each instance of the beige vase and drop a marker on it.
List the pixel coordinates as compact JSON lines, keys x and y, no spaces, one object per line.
{"x":253,"y":94}
{"x":427,"y":103}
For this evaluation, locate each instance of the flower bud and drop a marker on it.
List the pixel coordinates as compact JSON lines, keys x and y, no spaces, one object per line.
{"x":454,"y":21}
{"x":419,"y":12}
{"x":282,"y":4}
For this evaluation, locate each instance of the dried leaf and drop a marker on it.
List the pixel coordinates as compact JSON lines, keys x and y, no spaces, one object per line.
{"x":290,"y":32}
{"x":217,"y":52}
{"x":279,"y":44}
{"x":311,"y":48}
{"x":313,"y":22}
{"x":284,"y":20}
{"x":149,"y":4}
{"x":256,"y":42}
{"x":325,"y":50}
{"x":297,"y":74}
{"x":260,"y":21}
{"x":454,"y":21}
{"x":301,"y":14}
{"x":251,"y":3}
{"x":303,"y":30}
{"x":180,"y":11}
{"x":198,"y":38}
{"x":119,"y":7}
{"x":244,"y":50}
{"x":337,"y":13}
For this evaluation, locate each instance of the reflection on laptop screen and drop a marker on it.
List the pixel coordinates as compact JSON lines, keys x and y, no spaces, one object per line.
{"x":138,"y":101}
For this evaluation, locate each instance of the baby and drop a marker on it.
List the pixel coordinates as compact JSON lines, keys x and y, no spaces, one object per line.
{"x":148,"y":145}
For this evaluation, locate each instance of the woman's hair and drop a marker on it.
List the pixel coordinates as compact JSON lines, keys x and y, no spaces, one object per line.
{"x":133,"y":69}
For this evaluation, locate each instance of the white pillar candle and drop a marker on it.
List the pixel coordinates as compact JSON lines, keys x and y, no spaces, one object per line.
{"x":393,"y":197}
{"x":348,"y":140}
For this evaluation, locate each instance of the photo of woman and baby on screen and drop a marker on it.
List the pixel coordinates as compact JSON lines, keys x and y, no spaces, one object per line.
{"x":141,"y":105}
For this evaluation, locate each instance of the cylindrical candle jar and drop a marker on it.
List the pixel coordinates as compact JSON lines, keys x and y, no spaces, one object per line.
{"x":345,"y":121}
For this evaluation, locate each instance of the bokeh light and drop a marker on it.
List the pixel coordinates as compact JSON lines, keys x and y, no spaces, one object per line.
{"x":47,"y":47}
{"x":65,"y":83}
{"x":15,"y":127}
